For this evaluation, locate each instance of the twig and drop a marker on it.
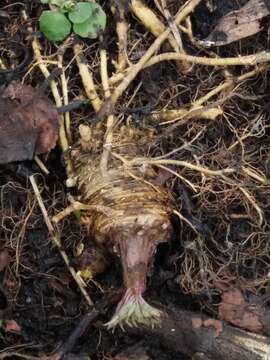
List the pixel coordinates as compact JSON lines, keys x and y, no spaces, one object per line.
{"x":56,"y":240}
{"x":41,"y":165}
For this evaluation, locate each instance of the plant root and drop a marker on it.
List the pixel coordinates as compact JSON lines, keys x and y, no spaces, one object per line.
{"x":134,"y":311}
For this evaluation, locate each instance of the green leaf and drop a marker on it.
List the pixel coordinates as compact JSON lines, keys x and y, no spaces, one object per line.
{"x":44,"y":1}
{"x":54,"y":25}
{"x":57,"y":2}
{"x":95,"y":23}
{"x":81,"y":13}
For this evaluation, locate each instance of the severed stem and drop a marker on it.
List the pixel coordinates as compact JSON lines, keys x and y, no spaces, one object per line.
{"x":122,"y":34}
{"x":87,"y":78}
{"x":64,"y":85}
{"x":108,"y":138}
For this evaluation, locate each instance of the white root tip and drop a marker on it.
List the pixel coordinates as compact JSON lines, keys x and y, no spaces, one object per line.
{"x":134,"y":311}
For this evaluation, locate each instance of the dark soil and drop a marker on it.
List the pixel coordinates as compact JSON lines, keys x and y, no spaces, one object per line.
{"x":37,"y":290}
{"x":42,"y":297}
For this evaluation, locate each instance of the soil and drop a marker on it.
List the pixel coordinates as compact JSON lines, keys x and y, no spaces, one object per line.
{"x":37,"y":290}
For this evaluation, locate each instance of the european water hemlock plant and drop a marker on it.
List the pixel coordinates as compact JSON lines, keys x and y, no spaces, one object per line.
{"x":87,"y":19}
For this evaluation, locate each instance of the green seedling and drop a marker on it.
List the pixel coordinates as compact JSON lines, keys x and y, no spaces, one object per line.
{"x":54,"y":25}
{"x":87,"y":19}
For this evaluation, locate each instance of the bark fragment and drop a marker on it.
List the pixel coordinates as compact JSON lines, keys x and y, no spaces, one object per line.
{"x":239,"y":24}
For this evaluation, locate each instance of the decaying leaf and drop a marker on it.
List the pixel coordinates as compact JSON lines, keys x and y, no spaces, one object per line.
{"x":12,"y":326}
{"x":239,"y":312}
{"x":28,"y":123}
{"x":239,"y":24}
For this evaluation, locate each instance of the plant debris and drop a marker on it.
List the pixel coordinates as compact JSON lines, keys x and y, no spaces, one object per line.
{"x":29,"y":123}
{"x":239,"y":24}
{"x":157,"y":193}
{"x":12,"y":326}
{"x":250,"y":315}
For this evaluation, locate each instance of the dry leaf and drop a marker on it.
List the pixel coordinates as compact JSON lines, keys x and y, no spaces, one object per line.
{"x":237,"y":311}
{"x":238,"y":24}
{"x":12,"y":326}
{"x":29,"y":123}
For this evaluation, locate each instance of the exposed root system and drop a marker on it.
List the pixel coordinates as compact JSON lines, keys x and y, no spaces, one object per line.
{"x":159,"y":188}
